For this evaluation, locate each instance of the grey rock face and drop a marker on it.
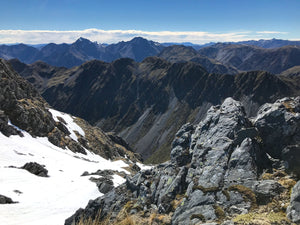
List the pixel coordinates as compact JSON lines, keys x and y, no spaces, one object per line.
{"x":266,"y":189}
{"x":293,"y":211}
{"x":180,"y":146}
{"x":279,"y":125}
{"x":213,"y":171}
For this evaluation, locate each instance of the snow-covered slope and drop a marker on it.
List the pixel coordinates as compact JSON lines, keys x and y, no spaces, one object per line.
{"x":47,"y":200}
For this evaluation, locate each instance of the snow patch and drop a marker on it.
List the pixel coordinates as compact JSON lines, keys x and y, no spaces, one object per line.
{"x":144,"y":167}
{"x":70,"y":124}
{"x":47,"y":200}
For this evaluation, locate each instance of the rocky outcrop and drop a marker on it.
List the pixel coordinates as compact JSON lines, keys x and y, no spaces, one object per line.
{"x":5,"y":200}
{"x":22,"y":104}
{"x":217,"y":171}
{"x":279,"y":127}
{"x":36,"y":169}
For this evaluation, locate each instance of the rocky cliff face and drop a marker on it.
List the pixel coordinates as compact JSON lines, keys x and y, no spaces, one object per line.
{"x":226,"y":169}
{"x":147,"y":102}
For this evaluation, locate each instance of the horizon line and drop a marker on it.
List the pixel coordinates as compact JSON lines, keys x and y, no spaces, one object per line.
{"x":35,"y":37}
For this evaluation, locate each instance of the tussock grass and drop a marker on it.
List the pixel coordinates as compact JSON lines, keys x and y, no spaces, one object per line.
{"x":261,"y":218}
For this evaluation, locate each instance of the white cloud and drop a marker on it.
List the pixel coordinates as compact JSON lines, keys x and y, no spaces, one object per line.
{"x":271,"y":32}
{"x":113,"y":36}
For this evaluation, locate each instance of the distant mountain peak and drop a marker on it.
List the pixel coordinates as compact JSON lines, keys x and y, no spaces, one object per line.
{"x":81,"y":39}
{"x":139,"y":39}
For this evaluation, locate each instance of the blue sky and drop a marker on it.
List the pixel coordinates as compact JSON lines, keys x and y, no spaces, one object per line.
{"x":198,"y":21}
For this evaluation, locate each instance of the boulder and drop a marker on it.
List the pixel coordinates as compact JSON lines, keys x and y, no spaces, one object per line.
{"x":5,"y":200}
{"x":104,"y":184}
{"x":279,"y":125}
{"x":36,"y":169}
{"x":265,"y":190}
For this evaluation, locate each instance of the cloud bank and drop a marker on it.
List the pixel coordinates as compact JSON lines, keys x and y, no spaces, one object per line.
{"x":113,"y":36}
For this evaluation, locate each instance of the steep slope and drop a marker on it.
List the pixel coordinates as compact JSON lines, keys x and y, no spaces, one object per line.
{"x":227,"y":169}
{"x":147,"y":102}
{"x":292,"y":72}
{"x":247,"y":57}
{"x":49,"y":158}
{"x":180,"y":53}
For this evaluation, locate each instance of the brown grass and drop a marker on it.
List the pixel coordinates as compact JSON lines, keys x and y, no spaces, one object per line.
{"x":261,"y":219}
{"x":205,"y":190}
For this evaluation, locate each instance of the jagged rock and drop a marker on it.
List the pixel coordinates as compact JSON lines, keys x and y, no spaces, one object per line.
{"x":5,"y":128}
{"x":245,"y":163}
{"x":103,"y":173}
{"x":115,"y":199}
{"x":265,"y":190}
{"x":194,"y":215}
{"x":293,"y":210}
{"x":219,"y":178}
{"x":104,"y":184}
{"x":5,"y":200}
{"x":105,"y":187}
{"x":180,"y":146}
{"x":22,"y":103}
{"x":62,"y":127}
{"x":35,"y":169}
{"x":279,"y":125}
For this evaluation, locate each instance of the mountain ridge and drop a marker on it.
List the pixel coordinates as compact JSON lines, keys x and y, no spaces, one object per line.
{"x":147,"y":102}
{"x":82,"y":50}
{"x":247,"y":57}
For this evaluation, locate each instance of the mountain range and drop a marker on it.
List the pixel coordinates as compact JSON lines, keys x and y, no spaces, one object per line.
{"x":271,"y":43}
{"x":147,"y":102}
{"x":247,"y":57}
{"x":82,"y":50}
{"x":222,"y":129}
